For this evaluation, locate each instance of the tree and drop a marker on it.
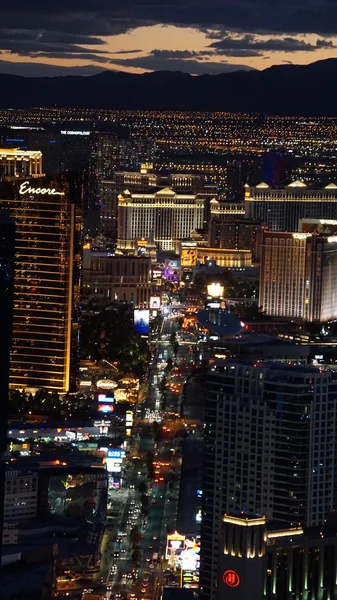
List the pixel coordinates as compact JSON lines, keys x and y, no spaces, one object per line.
{"x":145,"y":504}
{"x":135,"y":557}
{"x":169,"y":365}
{"x":156,"y":432}
{"x":172,"y":338}
{"x":163,"y":383}
{"x":142,"y":488}
{"x":134,"y":537}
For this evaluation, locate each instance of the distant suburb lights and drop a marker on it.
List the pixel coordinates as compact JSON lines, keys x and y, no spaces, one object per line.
{"x":26,"y":189}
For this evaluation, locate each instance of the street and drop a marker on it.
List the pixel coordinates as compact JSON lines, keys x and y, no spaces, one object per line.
{"x":121,"y":577}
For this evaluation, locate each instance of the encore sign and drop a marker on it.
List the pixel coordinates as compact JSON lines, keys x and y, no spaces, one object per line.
{"x":26,"y":189}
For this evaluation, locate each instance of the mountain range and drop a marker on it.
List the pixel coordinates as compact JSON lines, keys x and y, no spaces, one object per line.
{"x":284,"y":90}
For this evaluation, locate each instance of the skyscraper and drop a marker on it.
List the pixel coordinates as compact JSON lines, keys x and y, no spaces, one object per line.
{"x":269,"y":449}
{"x":299,"y":276}
{"x":7,"y":233}
{"x":46,"y":282}
{"x":281,"y":208}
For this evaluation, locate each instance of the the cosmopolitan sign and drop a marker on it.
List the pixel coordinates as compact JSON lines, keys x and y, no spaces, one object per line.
{"x":25,"y":188}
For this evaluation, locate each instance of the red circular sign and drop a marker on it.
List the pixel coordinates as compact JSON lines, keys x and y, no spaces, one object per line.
{"x":231,"y":578}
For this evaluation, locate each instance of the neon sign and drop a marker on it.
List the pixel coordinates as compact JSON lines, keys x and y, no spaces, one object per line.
{"x":231,"y":578}
{"x":26,"y":189}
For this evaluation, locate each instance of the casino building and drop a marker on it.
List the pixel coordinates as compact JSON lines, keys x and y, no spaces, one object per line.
{"x":48,"y":229}
{"x":161,"y":212}
{"x":260,"y":560}
{"x":20,"y":163}
{"x":280,"y":208}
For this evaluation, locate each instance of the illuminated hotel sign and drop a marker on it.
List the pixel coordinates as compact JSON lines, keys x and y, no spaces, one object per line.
{"x":26,"y":189}
{"x":231,"y":578}
{"x":66,"y":132}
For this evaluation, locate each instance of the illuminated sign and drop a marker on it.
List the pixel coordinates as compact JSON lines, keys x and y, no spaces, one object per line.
{"x":156,"y":274}
{"x":175,"y":544}
{"x":213,"y":305}
{"x":105,"y":408}
{"x":189,"y":558}
{"x":104,"y":399}
{"x":106,"y":384}
{"x":300,"y":236}
{"x":64,"y":132}
{"x":129,"y":418}
{"x":114,"y":460}
{"x":188,"y":257}
{"x":215,"y":290}
{"x":115,"y":453}
{"x":142,"y":321}
{"x":231,"y":578}
{"x":42,"y":191}
{"x":155,"y":302}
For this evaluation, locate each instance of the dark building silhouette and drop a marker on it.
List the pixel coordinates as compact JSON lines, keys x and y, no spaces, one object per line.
{"x":269,"y":451}
{"x":7,"y":241}
{"x":274,"y":167}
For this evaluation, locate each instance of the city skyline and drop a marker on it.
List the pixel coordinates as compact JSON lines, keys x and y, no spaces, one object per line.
{"x":186,"y":37}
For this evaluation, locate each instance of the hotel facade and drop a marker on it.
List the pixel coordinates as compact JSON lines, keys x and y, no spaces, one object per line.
{"x":280,"y":209}
{"x":46,"y":282}
{"x":298,"y":277}
{"x":162,"y":214}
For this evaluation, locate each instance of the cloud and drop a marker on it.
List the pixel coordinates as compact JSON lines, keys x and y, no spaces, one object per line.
{"x":106,"y":17}
{"x":178,"y":60}
{"x":54,"y":37}
{"x":73,"y":55}
{"x":127,"y":52}
{"x":249,"y":45}
{"x":69,"y":29}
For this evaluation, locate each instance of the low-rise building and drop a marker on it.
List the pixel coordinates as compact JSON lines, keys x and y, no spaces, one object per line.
{"x":117,"y":277}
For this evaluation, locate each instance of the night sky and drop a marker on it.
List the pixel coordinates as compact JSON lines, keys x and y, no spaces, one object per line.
{"x":194,"y":36}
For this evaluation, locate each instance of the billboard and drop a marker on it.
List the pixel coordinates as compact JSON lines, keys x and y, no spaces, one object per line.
{"x":188,"y":257}
{"x":116,"y":453}
{"x":155,"y":302}
{"x":215,"y":290}
{"x":104,"y":399}
{"x":129,"y":418}
{"x":105,"y":409}
{"x":114,"y":460}
{"x":142,"y":320}
{"x":105,"y":404}
{"x":189,"y":557}
{"x":156,"y":274}
{"x":175,"y":544}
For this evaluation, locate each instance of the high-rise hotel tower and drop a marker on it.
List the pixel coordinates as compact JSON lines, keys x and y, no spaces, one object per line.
{"x":46,"y":286}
